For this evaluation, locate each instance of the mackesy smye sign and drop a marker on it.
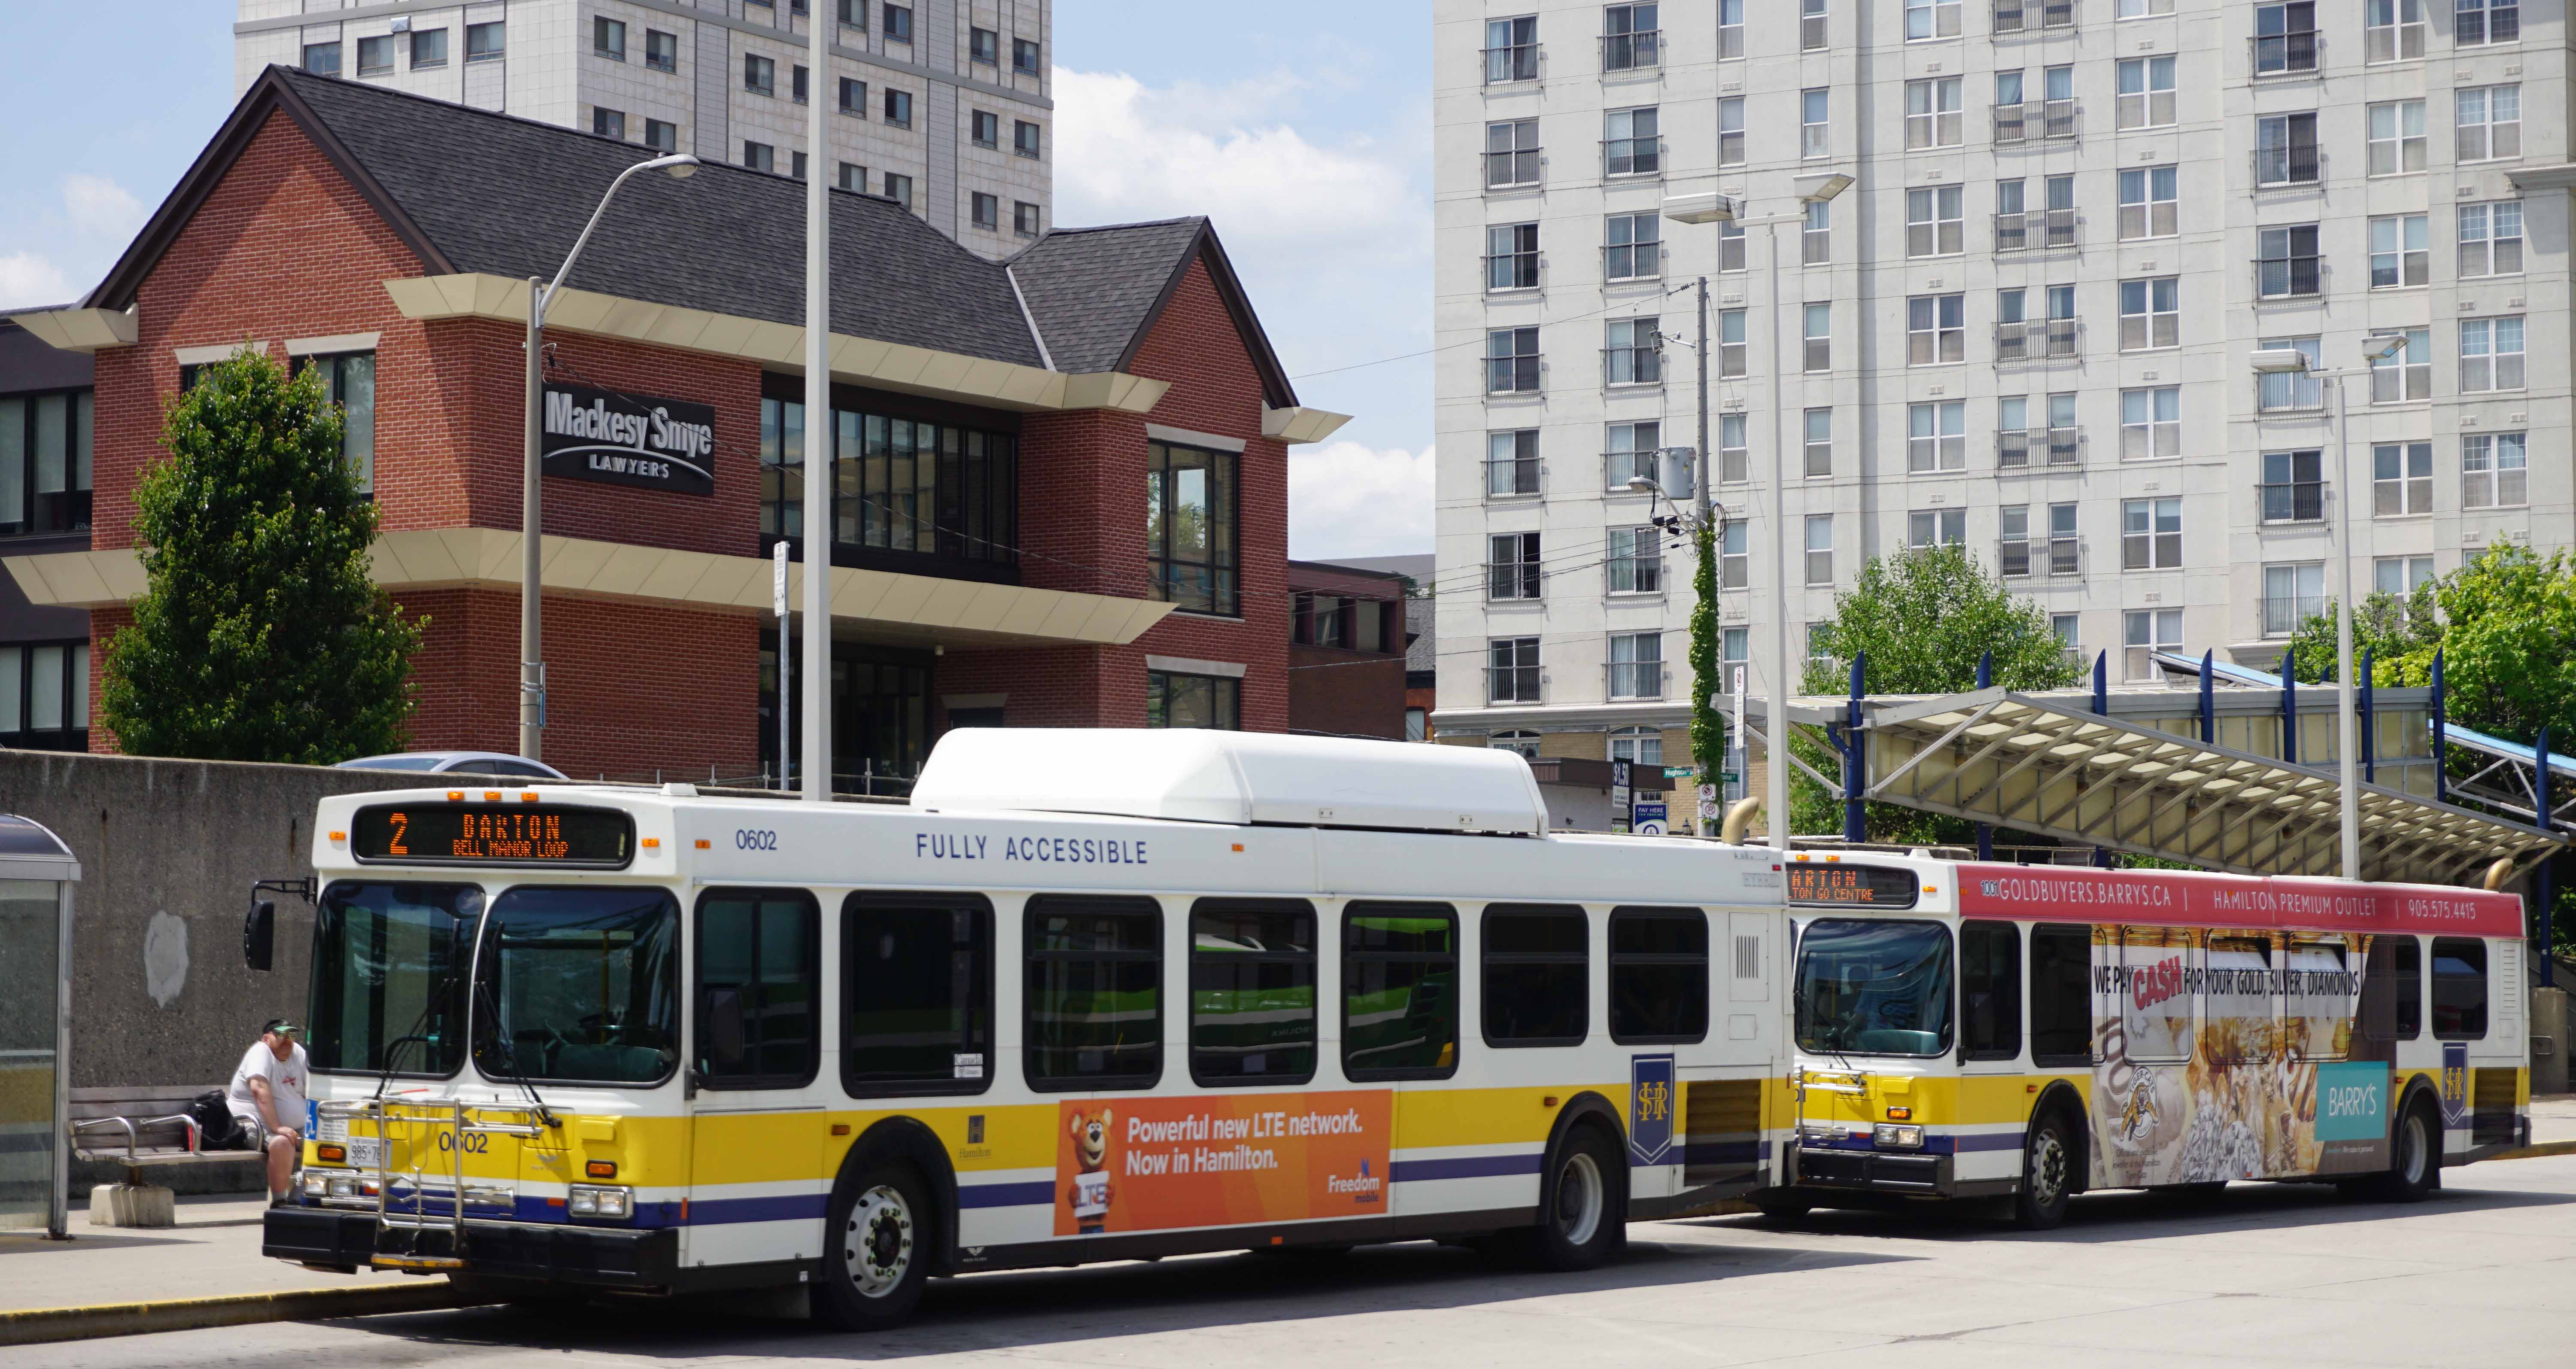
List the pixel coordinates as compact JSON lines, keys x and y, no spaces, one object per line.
{"x":623,"y":439}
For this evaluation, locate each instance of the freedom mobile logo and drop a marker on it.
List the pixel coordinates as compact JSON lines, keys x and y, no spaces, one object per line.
{"x":1367,"y":1188}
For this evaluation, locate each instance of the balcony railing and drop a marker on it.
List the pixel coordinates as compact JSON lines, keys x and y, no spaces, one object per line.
{"x":1632,"y":366}
{"x":1636,"y":679}
{"x":2288,"y":277}
{"x":2022,"y":16}
{"x":2285,"y":54}
{"x":2051,"y":556}
{"x":1637,"y":51}
{"x":2035,"y":119}
{"x":2062,"y":446}
{"x":1512,"y":684}
{"x":2294,"y":164}
{"x":2281,"y":617}
{"x":1518,"y":62}
{"x":2035,"y":339}
{"x":2035,"y":229}
{"x":1632,"y":156}
{"x":2299,"y":501}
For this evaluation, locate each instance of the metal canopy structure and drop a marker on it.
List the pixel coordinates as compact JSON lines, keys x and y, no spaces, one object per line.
{"x":2050,"y":764}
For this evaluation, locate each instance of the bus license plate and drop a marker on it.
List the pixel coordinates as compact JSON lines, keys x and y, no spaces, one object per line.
{"x":364,"y":1152}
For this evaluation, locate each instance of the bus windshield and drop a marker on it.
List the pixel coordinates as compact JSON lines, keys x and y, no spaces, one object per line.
{"x":1874,"y":988}
{"x":388,"y":977}
{"x":580,"y":984}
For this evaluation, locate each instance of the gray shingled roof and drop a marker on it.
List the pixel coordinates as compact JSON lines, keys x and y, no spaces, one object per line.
{"x":1092,"y":290}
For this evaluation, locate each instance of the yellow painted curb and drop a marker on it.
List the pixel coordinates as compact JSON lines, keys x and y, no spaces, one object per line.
{"x":30,"y":1325}
{"x":2544,"y":1149}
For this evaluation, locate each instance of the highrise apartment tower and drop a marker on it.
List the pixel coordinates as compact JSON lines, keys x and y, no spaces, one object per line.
{"x":943,"y":103}
{"x":2027,"y":325}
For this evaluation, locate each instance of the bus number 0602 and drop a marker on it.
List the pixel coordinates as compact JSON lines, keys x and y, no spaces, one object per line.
{"x":475,"y":1143}
{"x":748,"y":839}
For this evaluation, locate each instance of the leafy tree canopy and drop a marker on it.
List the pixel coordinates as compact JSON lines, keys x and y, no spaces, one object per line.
{"x":2505,"y":623}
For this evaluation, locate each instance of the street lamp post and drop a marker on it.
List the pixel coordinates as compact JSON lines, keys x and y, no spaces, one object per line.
{"x":532,"y":664}
{"x":2292,"y":361}
{"x":1711,"y":207}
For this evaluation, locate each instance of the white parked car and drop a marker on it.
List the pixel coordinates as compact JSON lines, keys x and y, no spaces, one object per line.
{"x":459,"y":763}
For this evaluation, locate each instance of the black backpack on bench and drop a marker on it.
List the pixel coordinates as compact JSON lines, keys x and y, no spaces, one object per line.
{"x":215,"y":1121}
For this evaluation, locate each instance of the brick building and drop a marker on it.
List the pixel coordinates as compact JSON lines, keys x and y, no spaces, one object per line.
{"x":1060,"y":480}
{"x":1346,"y":650}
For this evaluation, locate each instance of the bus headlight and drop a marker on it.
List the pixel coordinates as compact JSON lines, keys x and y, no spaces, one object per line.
{"x":1894,"y":1137}
{"x":610,"y":1204}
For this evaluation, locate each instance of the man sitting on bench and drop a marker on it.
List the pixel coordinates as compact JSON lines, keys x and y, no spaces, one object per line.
{"x":267,"y":1102}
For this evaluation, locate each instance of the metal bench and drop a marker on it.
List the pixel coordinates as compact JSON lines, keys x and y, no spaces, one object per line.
{"x":143,"y":1134}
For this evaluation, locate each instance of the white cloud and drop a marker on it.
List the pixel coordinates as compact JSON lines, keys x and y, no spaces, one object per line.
{"x":1349,"y":499}
{"x":100,"y":208}
{"x":26,"y":279}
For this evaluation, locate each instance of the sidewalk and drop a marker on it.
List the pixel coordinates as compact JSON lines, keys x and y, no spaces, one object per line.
{"x":2553,"y":1118}
{"x":212,"y":1252}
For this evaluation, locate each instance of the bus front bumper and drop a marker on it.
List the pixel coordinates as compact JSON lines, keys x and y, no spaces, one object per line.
{"x":1874,"y":1171}
{"x":600,"y":1257}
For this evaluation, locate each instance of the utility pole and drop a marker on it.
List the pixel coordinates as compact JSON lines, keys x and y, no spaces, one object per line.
{"x":819,"y":428}
{"x":1707,"y":734}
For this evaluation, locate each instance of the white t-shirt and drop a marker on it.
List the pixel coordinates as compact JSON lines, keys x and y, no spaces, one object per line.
{"x":285,"y":1086}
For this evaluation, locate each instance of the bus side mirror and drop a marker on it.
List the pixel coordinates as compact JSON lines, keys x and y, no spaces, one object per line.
{"x":724,"y":1027}
{"x":259,"y":935}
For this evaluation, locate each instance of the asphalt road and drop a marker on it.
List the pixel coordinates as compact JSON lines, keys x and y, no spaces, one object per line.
{"x":2484,"y":1274}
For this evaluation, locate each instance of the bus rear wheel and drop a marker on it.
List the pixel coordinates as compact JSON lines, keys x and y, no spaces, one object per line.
{"x":2414,"y":1161}
{"x":1583,"y":1203}
{"x":2047,"y":1175}
{"x":877,"y":1250}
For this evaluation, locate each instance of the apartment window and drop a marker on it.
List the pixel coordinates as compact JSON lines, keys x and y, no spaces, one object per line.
{"x":1636,"y":560}
{"x":1511,"y":153}
{"x":1819,"y":336}
{"x":1519,"y":743}
{"x":1730,"y":344}
{"x":899,"y":189}
{"x":1936,"y":528}
{"x":2057,"y":88}
{"x":1511,"y":361}
{"x":1204,"y":701}
{"x":2285,"y":148}
{"x":608,"y":38}
{"x":1733,"y":465}
{"x":854,"y":177}
{"x":1925,"y":19}
{"x":2150,"y":313}
{"x":1629,"y":450}
{"x":2012,"y":431}
{"x":2490,"y":238}
{"x":1820,"y":548}
{"x":376,"y":56}
{"x":1630,"y":248}
{"x":2475,"y":23}
{"x":2146,"y":97}
{"x":1935,"y":221}
{"x":1511,"y":462}
{"x":1730,"y":29}
{"x":2151,"y":423}
{"x":1631,"y":354}
{"x":984,"y":45}
{"x":44,"y":696}
{"x":1814,"y":108}
{"x":1820,"y":653}
{"x":2294,"y":487}
{"x":2400,"y":575}
{"x":2012,"y":112}
{"x":1628,"y":37}
{"x":2288,"y":261}
{"x":2012,"y":540}
{"x":1811,"y":25}
{"x":2285,"y":38}
{"x":759,"y":74}
{"x":801,"y":84}
{"x":1511,"y":49}
{"x":1024,"y":56}
{"x":2065,"y":439}
{"x":1637,"y":745}
{"x":1629,"y":146}
{"x":1815,"y":236}
{"x":2489,"y":123}
{"x":1636,"y":665}
{"x":1819,"y":445}
{"x":2397,"y":254}
{"x":45,"y":445}
{"x":898,"y":108}
{"x":1936,"y":437}
{"x":2144,"y":632}
{"x":897,"y":23}
{"x":1932,"y":117}
{"x":2490,"y":354}
{"x":1734,"y":556}
{"x":854,"y":98}
{"x":1730,"y":131}
{"x":985,"y":128}
{"x":1512,"y":570}
{"x":428,"y":49}
{"x":2150,"y":202}
{"x":1511,"y":256}
{"x":1191,"y":515}
{"x":2392,"y":30}
{"x":1935,"y":329}
{"x":1730,"y":247}
{"x":2292,"y":594}
{"x":661,"y":135}
{"x":1024,"y":218}
{"x":799,"y":171}
{"x":1024,"y":138}
{"x":322,"y":59}
{"x":987,"y":209}
{"x":759,"y":156}
{"x":2492,"y":471}
{"x":2401,"y":479}
{"x":2150,"y":534}
{"x":2396,"y":136}
{"x":661,"y":50}
{"x":1511,"y":673}
{"x":2406,"y":376}
{"x":2065,"y":549}
{"x":853,"y":14}
{"x":607,"y":123}
{"x":2066,"y":628}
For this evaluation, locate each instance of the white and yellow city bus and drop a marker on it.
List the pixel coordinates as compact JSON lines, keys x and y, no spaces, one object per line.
{"x":1089,"y":996}
{"x":1979,"y":1030}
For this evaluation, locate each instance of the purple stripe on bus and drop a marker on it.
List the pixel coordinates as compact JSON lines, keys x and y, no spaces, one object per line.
{"x":1463,"y":1167}
{"x":1035,"y":1192}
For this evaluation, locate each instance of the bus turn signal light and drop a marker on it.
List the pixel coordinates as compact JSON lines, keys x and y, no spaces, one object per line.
{"x":333,"y":1154}
{"x":1900,"y":1114}
{"x":601,"y":1169}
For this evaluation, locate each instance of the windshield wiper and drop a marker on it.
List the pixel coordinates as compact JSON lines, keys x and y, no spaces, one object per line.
{"x":508,"y":1052}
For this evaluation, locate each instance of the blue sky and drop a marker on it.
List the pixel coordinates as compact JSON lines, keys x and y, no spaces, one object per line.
{"x":1304,"y":133}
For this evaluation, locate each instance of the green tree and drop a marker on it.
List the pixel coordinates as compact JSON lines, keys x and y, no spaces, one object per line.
{"x":2505,"y":623}
{"x":261,"y":636}
{"x":1707,"y":728}
{"x":2390,"y":627}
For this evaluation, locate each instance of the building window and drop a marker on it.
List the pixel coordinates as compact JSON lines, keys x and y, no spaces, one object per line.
{"x":854,"y":98}
{"x":1417,"y":728}
{"x":1734,"y":556}
{"x":608,"y":39}
{"x":1511,"y":361}
{"x":2292,"y":594}
{"x":798,"y":164}
{"x":44,"y":696}
{"x":759,"y":156}
{"x":2490,"y":354}
{"x":2013,"y":433}
{"x":349,"y":380}
{"x":1926,"y":19}
{"x":1024,"y":218}
{"x":1811,"y":25}
{"x":1629,"y":37}
{"x":1730,"y":30}
{"x":2146,"y":94}
{"x":1820,"y":548}
{"x":2287,"y":262}
{"x":1819,"y":445}
{"x":2151,"y":423}
{"x":1629,"y":451}
{"x":45,"y":443}
{"x":2279,"y":390}
{"x":1819,"y":337}
{"x":2396,"y":137}
{"x":1932,"y":117}
{"x":985,"y":128}
{"x":1815,"y":236}
{"x":1024,"y":138}
{"x":1936,"y":528}
{"x":898,"y":108}
{"x":2400,"y":575}
{"x":2285,"y":38}
{"x":801,"y":84}
{"x":661,"y":136}
{"x":1190,"y":522}
{"x":2490,"y":123}
{"x":2398,"y":258}
{"x":1512,"y":570}
{"x":376,"y":56}
{"x":2285,"y":148}
{"x":2145,"y":632}
{"x":1024,"y":56}
{"x":987,"y":210}
{"x":759,"y":74}
{"x":1636,"y":560}
{"x":1733,"y":464}
{"x":1936,"y":437}
{"x":2065,"y":549}
{"x":1209,"y":701}
{"x":2067,"y":628}
{"x":1511,"y":153}
{"x":1636,"y":665}
{"x":2492,"y":473}
{"x":2294,"y":487}
{"x":1936,"y":330}
{"x":1730,"y":247}
{"x":428,"y":49}
{"x":661,"y":50}
{"x":1637,"y":746}
{"x":2150,"y":534}
{"x":2401,"y":479}
{"x":854,"y":177}
{"x":2392,"y":30}
{"x":1935,"y":221}
{"x":1731,"y":349}
{"x":1814,"y":107}
{"x":985,"y":46}
{"x":2150,"y":313}
{"x":1512,"y":677}
{"x":2475,"y":23}
{"x":1511,"y":462}
{"x":2012,"y":540}
{"x":1511,"y":256}
{"x":2406,"y":376}
{"x":899,"y":189}
{"x":1630,"y":145}
{"x":1631,"y":353}
{"x":1631,"y":247}
{"x":1511,"y":49}
{"x":608,"y":123}
{"x":1519,"y":743}
{"x":323,"y":59}
{"x":896,"y":23}
{"x":2490,"y":239}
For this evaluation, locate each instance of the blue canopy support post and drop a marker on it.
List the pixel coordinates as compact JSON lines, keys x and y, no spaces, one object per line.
{"x":2102,"y":705}
{"x":2540,"y":780}
{"x":1986,"y":830}
{"x":2290,"y":704}
{"x":2441,"y":753}
{"x":2208,"y":698}
{"x":2544,"y":888}
{"x":2369,"y":743}
{"x":1855,"y":818}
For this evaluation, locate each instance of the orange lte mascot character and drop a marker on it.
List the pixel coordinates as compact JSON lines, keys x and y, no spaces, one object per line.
{"x":1090,"y":1192}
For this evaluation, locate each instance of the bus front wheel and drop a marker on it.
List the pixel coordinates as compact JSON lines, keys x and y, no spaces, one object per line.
{"x":2047,"y":1175}
{"x":877,"y":1250}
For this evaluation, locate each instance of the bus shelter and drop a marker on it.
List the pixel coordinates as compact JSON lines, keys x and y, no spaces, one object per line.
{"x":37,"y":873}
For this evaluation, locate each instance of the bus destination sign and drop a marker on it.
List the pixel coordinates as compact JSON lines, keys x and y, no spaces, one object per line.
{"x":1853,"y":886}
{"x":493,"y":834}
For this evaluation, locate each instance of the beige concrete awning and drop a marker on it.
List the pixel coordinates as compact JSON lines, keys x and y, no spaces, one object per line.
{"x":873,"y":605}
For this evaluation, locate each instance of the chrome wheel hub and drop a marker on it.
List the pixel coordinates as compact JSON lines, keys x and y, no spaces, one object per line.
{"x":877,"y":1243}
{"x":2047,"y":1169}
{"x":1579,"y":1199}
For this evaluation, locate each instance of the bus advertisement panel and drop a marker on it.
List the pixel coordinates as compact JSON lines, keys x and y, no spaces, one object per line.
{"x":1154,"y":1164}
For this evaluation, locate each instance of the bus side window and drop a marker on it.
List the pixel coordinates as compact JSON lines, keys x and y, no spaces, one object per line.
{"x":1658,"y":975}
{"x":1095,"y":1002}
{"x":1989,"y":990}
{"x":2061,"y":995}
{"x":1537,"y":970}
{"x":2409,"y":984}
{"x":759,"y":953}
{"x":916,"y":994}
{"x":2459,"y":989}
{"x":1252,"y":991}
{"x":1399,"y":991}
